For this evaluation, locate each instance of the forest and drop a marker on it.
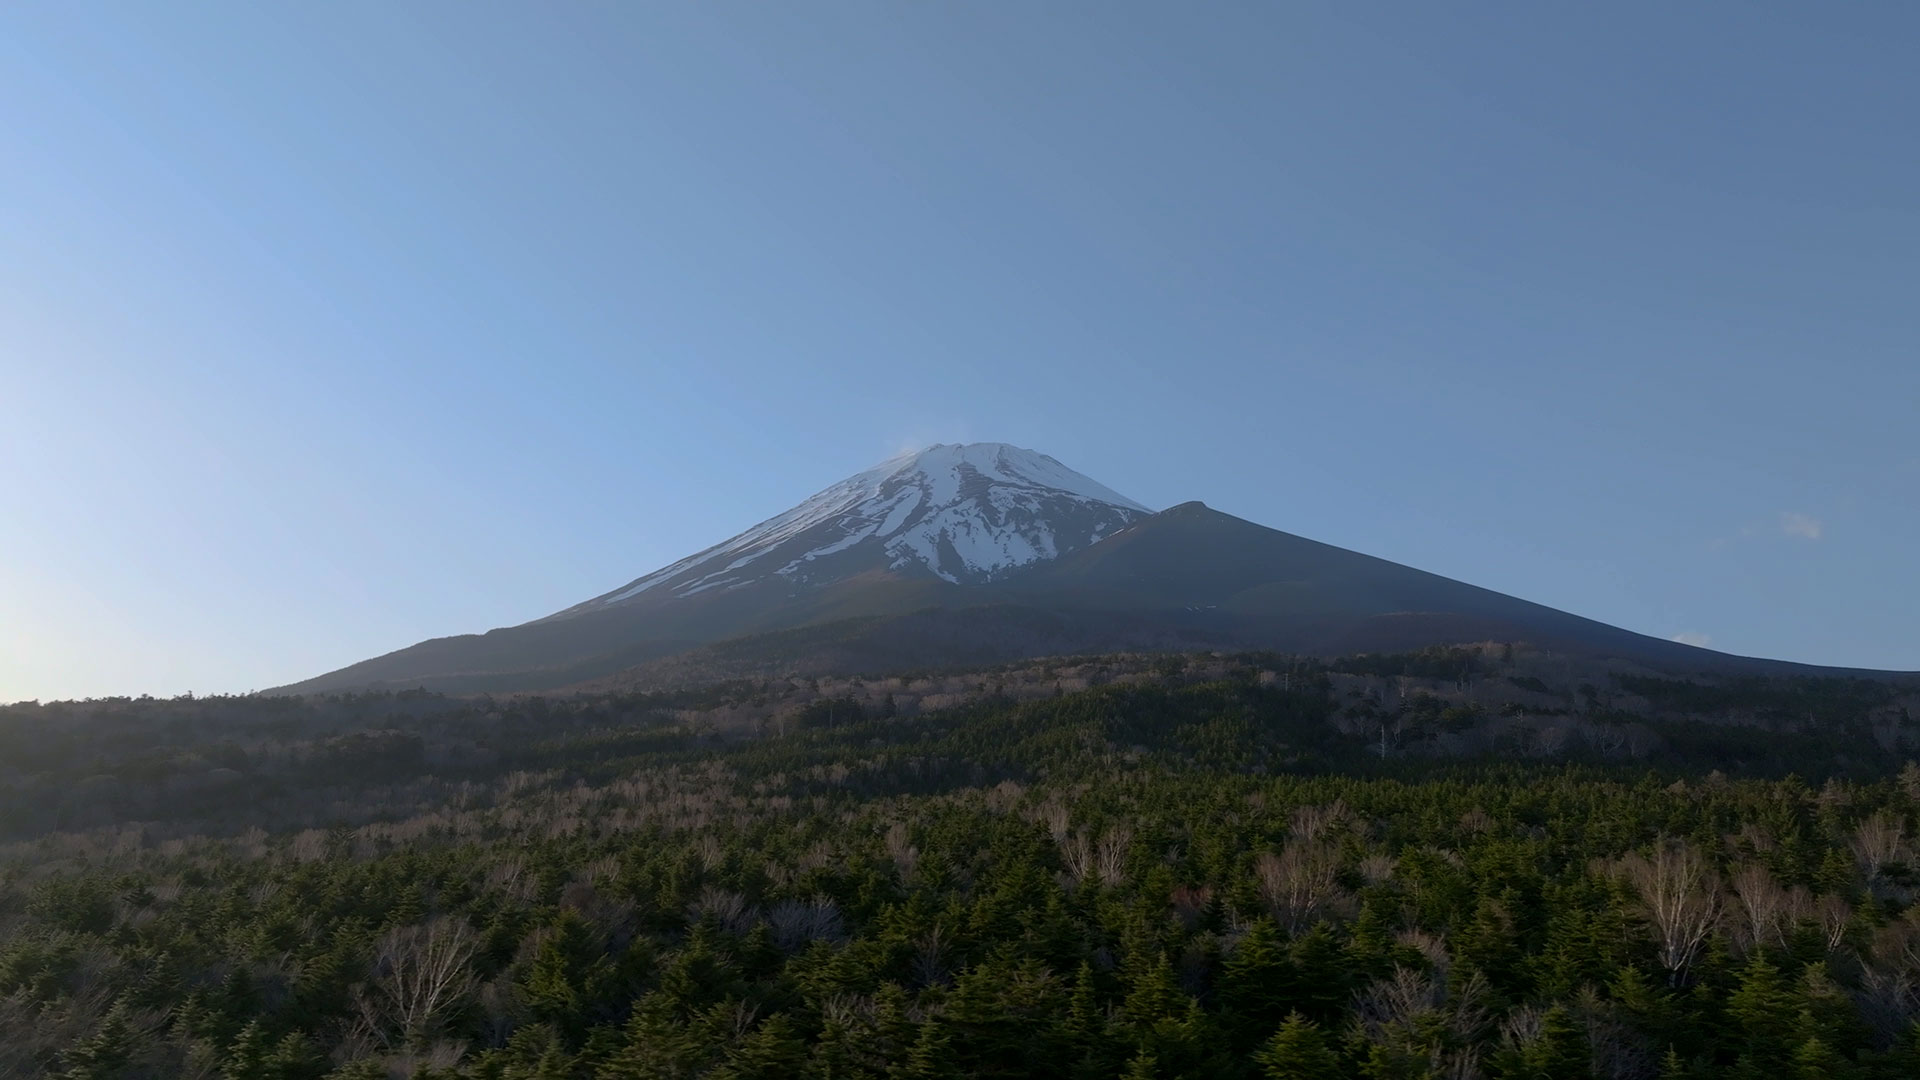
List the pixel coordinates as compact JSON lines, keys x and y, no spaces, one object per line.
{"x":1454,"y":864}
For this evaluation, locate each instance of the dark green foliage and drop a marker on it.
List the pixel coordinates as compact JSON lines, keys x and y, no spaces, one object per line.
{"x":1182,"y":871}
{"x":1298,"y":1052}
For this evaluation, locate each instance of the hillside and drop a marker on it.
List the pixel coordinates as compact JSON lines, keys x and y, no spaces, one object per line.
{"x":1143,"y":865}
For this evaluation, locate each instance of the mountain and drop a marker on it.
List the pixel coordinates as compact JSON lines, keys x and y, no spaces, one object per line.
{"x":959,"y":514}
{"x":985,"y":553}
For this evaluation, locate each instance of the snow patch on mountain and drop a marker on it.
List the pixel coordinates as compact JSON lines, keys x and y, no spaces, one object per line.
{"x":964,"y":513}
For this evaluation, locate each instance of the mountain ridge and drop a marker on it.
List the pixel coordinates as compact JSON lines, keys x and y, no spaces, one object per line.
{"x":988,"y":552}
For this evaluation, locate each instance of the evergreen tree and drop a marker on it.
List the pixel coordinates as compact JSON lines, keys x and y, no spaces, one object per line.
{"x":1142,"y":1066}
{"x":1815,"y":1060}
{"x":928,"y":1058}
{"x":1256,"y":984}
{"x":103,"y":1054}
{"x":1324,"y":980}
{"x":1761,"y":1012}
{"x":771,"y":1051}
{"x":1298,"y":1052}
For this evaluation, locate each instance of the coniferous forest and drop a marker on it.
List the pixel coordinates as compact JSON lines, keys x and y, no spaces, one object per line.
{"x":1442,"y":865}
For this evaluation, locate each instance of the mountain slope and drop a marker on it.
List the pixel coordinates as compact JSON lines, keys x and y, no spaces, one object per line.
{"x":1299,"y":594}
{"x":922,"y":529}
{"x":1187,"y":579}
{"x":982,"y":554}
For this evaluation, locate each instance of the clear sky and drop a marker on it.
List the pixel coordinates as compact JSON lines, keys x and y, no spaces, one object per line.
{"x":325,"y":328}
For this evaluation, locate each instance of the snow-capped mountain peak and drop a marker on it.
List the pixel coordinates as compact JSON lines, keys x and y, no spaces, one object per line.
{"x":965,"y":513}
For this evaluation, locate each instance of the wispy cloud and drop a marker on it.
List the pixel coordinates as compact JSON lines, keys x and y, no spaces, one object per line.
{"x":1804,"y":526}
{"x":925,"y":433}
{"x":1789,"y":523}
{"x":1694,"y":638}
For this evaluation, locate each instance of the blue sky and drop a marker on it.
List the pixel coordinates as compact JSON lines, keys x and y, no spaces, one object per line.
{"x":328,"y":328}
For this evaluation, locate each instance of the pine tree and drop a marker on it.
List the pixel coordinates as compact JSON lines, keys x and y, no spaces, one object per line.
{"x":659,"y":1043}
{"x":104,"y":1053}
{"x":1256,"y":984}
{"x":1815,"y":1060}
{"x":1087,"y":1028}
{"x":1561,"y":1052}
{"x":1298,"y":1052}
{"x":569,"y":977}
{"x":1142,"y":1067}
{"x":1760,"y":1010}
{"x":1322,"y":975}
{"x":1153,"y":995}
{"x":246,"y":1056}
{"x":771,"y":1051}
{"x":928,"y":1058}
{"x":1487,"y":942}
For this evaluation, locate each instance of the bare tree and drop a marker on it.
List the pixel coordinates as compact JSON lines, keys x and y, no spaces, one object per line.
{"x":1888,"y":1002}
{"x":900,"y":848}
{"x":1299,"y":883}
{"x":1877,"y":841}
{"x":1680,"y":896}
{"x":1762,"y":905}
{"x":729,"y":910}
{"x":1076,"y":854}
{"x":1424,"y":1014}
{"x":797,"y":922}
{"x":1836,"y":917}
{"x":422,"y":973}
{"x":1110,"y":858}
{"x":1615,"y":1050}
{"x":1377,"y":868}
{"x":1312,"y":822}
{"x":1896,"y":946}
{"x":930,"y":958}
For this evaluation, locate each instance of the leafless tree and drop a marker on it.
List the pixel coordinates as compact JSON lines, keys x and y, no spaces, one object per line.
{"x":309,"y":845}
{"x":1877,"y":841}
{"x":929,"y":958}
{"x":1835,"y":916}
{"x":1378,"y":867}
{"x":1680,"y":896}
{"x":1896,"y":946}
{"x":1076,"y":854}
{"x":1762,"y":906}
{"x":1300,"y":883}
{"x":1110,"y":858}
{"x":1312,"y":822}
{"x":729,"y":909}
{"x":1888,"y":1001}
{"x":1551,"y":740}
{"x":422,"y":973}
{"x":900,"y":848}
{"x":502,"y":1008}
{"x":712,"y":855}
{"x":1055,"y":815}
{"x":1405,"y":1009}
{"x":1616,"y":1050}
{"x":797,"y":922}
